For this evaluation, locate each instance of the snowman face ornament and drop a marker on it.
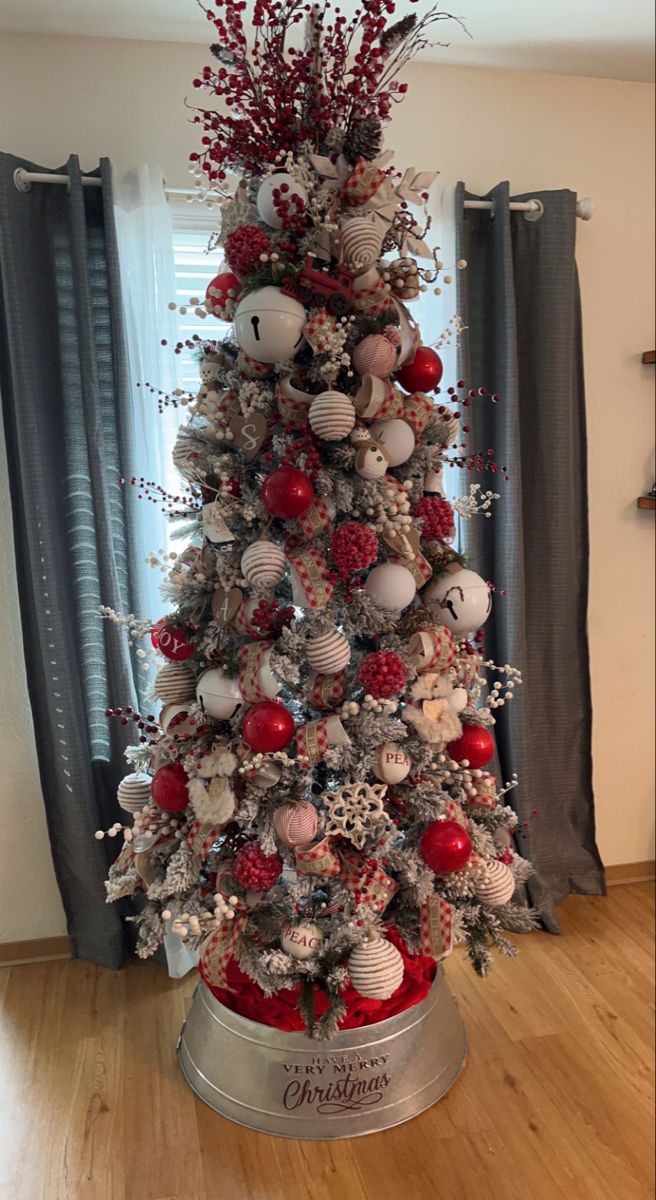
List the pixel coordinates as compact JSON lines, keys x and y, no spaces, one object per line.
{"x":460,"y":599}
{"x":269,"y":325}
{"x":371,"y":460}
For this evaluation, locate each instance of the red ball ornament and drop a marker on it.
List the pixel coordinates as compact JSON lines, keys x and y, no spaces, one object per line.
{"x":172,"y":641}
{"x":424,"y":372}
{"x":287,"y":493}
{"x":353,"y":547}
{"x":382,"y":674}
{"x":445,"y":847}
{"x":475,"y":746}
{"x":256,"y":870}
{"x":268,"y":727}
{"x":222,"y":294}
{"x":170,"y":788}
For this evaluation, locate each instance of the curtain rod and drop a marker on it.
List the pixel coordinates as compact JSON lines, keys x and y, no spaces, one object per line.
{"x":24,"y":179}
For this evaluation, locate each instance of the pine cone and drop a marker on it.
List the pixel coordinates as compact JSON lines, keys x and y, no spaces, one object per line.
{"x":392,"y":37}
{"x":364,"y":139}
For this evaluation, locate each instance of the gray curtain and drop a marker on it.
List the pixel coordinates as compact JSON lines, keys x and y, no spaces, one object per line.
{"x":519,"y":299}
{"x":65,"y":403}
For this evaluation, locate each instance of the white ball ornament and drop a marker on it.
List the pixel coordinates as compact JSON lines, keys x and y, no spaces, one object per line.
{"x":391,"y":586}
{"x":269,"y":325}
{"x":218,"y":695}
{"x":397,"y":439}
{"x":175,"y":683}
{"x":459,"y":599}
{"x":332,"y":416}
{"x":376,"y":969}
{"x":457,"y":699}
{"x":495,"y":885}
{"x":392,"y":764}
{"x":301,"y":941}
{"x":328,"y":653}
{"x":133,"y":791}
{"x":266,"y":206}
{"x":263,"y":564}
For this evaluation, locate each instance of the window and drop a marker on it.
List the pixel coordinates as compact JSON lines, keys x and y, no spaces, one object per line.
{"x":194,"y":268}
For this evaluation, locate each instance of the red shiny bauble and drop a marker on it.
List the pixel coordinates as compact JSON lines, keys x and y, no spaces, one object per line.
{"x":475,"y":746}
{"x":172,"y":641}
{"x":445,"y":847}
{"x":170,"y":788}
{"x":268,"y":727}
{"x":287,"y":493}
{"x":422,"y":374}
{"x":221,"y":295}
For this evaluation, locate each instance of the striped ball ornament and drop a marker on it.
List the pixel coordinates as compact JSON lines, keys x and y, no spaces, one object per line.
{"x":175,"y":683}
{"x":495,"y":884}
{"x":329,"y":653}
{"x":376,"y":969}
{"x":296,"y":824}
{"x":332,"y":416}
{"x":360,"y":243}
{"x":263,"y":564}
{"x":133,"y":791}
{"x":374,"y":355}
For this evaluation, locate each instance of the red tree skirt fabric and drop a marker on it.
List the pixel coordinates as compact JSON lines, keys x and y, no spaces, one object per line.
{"x":246,"y":998}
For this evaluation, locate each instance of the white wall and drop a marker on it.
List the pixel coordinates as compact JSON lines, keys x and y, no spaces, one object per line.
{"x":125,"y":100}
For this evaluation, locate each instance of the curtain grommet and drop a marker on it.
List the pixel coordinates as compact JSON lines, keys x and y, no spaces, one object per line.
{"x":534,"y":214}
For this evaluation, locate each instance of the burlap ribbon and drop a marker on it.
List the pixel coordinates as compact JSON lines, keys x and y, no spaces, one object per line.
{"x":312,"y":573}
{"x":363,"y":182}
{"x":369,"y":884}
{"x":201,"y":836}
{"x":220,"y":946}
{"x":251,"y":658}
{"x":319,"y":859}
{"x":293,"y":404}
{"x":316,"y":519}
{"x":436,"y":927}
{"x":327,"y":691}
{"x":317,"y":331}
{"x":314,"y":739}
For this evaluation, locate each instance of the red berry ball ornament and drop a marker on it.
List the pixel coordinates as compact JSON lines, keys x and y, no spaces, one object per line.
{"x":353,"y":547}
{"x":243,"y":247}
{"x":268,"y":727}
{"x":172,"y":641}
{"x":256,"y":870}
{"x":475,"y":746}
{"x":287,"y":493}
{"x":221,"y":295}
{"x":437,"y":523}
{"x":445,"y":847}
{"x":422,"y":374}
{"x":382,"y":674}
{"x":170,"y":788}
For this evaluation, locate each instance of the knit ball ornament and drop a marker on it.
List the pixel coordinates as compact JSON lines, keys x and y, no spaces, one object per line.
{"x":382,"y":674}
{"x":255,"y":870}
{"x":353,"y":547}
{"x":437,"y":518}
{"x":243,"y":247}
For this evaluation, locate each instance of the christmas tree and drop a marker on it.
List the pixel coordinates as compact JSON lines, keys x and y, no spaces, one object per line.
{"x":311,"y":809}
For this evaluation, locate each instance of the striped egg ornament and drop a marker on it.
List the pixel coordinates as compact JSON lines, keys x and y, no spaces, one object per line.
{"x":495,"y":884}
{"x":332,"y":416}
{"x":133,"y":791}
{"x":263,"y":564}
{"x":329,"y":653}
{"x":376,"y":969}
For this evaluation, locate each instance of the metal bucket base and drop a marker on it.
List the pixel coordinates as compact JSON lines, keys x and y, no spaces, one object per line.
{"x":287,"y":1084}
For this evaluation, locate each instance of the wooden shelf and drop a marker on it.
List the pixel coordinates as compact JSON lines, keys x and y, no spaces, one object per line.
{"x":649,"y":356}
{"x":646,"y":502}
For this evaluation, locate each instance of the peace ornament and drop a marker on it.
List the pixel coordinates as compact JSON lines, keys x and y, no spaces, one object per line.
{"x":301,"y":941}
{"x":392,"y":764}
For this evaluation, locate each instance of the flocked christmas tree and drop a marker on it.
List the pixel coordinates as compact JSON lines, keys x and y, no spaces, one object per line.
{"x":311,"y":808}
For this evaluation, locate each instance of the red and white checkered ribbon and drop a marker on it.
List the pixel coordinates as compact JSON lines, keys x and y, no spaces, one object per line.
{"x":201,"y":836}
{"x":316,"y":519}
{"x":319,"y":859}
{"x":219,"y":947}
{"x":454,"y":812}
{"x":327,"y":691}
{"x":436,"y":927}
{"x":442,"y":653}
{"x":125,"y":857}
{"x":251,"y":658}
{"x":364,"y":180}
{"x":372,"y":300}
{"x":370,"y":885}
{"x":293,"y":404}
{"x":317,"y":331}
{"x":417,"y":411}
{"x":314,"y":739}
{"x":391,"y":406}
{"x":313,"y":575}
{"x":419,"y":567}
{"x":486,"y":791}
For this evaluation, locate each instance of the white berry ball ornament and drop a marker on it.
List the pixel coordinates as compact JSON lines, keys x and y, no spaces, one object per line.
{"x":328,"y":653}
{"x":263,"y":564}
{"x":495,"y":884}
{"x":397,"y":439}
{"x":269,"y":325}
{"x":376,"y":969}
{"x":277,"y":194}
{"x":302,"y":941}
{"x":218,"y":695}
{"x":332,"y":416}
{"x":392,"y":764}
{"x":391,"y":586}
{"x":459,"y":599}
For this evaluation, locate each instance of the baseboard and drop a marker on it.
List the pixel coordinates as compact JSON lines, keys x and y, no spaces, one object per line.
{"x":638,"y":872}
{"x":34,"y":950}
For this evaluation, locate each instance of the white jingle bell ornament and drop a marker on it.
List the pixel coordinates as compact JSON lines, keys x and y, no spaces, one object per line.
{"x":392,"y":586}
{"x":175,"y":683}
{"x":328,"y":653}
{"x":218,"y":695}
{"x":266,"y":202}
{"x":495,"y":884}
{"x":263,"y":564}
{"x":269,"y":325}
{"x":296,"y":824}
{"x":392,"y":764}
{"x":301,"y":941}
{"x":397,"y":439}
{"x":332,"y":416}
{"x":459,"y":599}
{"x":376,"y":969}
{"x":133,"y":792}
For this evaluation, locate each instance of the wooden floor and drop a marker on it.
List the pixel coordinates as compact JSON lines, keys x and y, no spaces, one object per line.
{"x":555,"y":1103}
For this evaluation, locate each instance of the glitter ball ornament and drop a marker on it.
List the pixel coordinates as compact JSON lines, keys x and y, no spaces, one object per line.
{"x":494,"y":883}
{"x":353,"y":547}
{"x":376,"y":969}
{"x":268,"y":727}
{"x":459,"y":599}
{"x":391,"y":586}
{"x":332,"y":416}
{"x":445,"y":847}
{"x":170,"y":788}
{"x":221,"y":295}
{"x":175,"y":683}
{"x":218,"y":695}
{"x":255,"y":870}
{"x":328,"y":653}
{"x":423,"y":374}
{"x":301,"y":941}
{"x":436,"y":515}
{"x":382,"y":674}
{"x":263,"y":564}
{"x":269,"y":325}
{"x":279,"y":195}
{"x":287,"y":493}
{"x":375,"y":355}
{"x":133,"y":792}
{"x":172,"y":641}
{"x":475,"y":747}
{"x":296,"y":824}
{"x":392,"y":764}
{"x":397,"y":439}
{"x":243,"y":247}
